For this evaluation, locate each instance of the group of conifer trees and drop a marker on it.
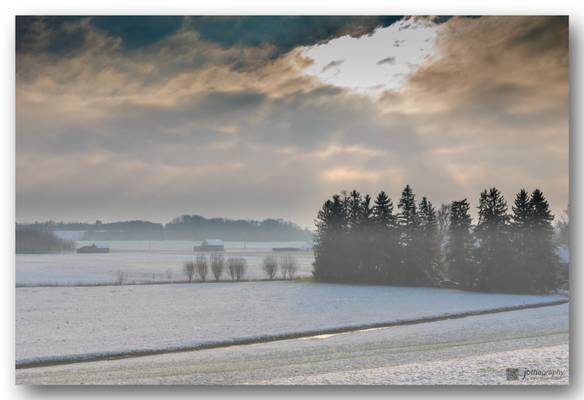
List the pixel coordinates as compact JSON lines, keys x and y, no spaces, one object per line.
{"x":362,"y":240}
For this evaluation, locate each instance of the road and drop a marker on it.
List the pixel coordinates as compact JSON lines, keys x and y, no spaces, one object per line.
{"x":472,"y":350}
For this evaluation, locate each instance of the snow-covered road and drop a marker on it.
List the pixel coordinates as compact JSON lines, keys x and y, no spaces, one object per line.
{"x":472,"y":350}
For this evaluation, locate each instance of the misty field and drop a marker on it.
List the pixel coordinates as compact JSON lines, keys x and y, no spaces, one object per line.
{"x":143,"y":262}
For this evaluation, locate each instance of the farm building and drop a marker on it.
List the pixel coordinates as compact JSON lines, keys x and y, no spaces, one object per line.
{"x":93,"y":249}
{"x":211,"y":245}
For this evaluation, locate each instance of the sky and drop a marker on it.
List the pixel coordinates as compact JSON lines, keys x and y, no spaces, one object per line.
{"x":121,"y":118}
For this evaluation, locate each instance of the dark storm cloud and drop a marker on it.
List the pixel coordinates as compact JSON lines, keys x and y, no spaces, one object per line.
{"x":138,"y":31}
{"x":281,"y":33}
{"x":284,"y":33}
{"x":67,"y":35}
{"x":48,"y":34}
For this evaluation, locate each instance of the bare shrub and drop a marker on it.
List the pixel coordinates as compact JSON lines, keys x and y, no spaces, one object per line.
{"x":121,"y":277}
{"x":270,"y":266}
{"x":231,"y":267}
{"x":288,"y":266}
{"x":240,"y":268}
{"x":202,"y":266}
{"x":217,"y":265}
{"x":189,"y":270}
{"x":237,"y":267}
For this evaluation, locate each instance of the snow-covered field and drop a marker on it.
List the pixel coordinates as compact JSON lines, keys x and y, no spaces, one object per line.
{"x":57,"y":322}
{"x":142,"y":261}
{"x":472,"y":350}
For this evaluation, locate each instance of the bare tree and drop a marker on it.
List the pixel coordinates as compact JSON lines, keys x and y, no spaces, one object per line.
{"x":288,"y":266}
{"x":237,"y":267}
{"x":202,"y":266}
{"x":217,"y":265}
{"x":270,"y":266}
{"x":189,"y":269}
{"x":231,"y":267}
{"x":240,"y":268}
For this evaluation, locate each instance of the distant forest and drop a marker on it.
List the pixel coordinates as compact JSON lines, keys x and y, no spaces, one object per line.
{"x":39,"y":242}
{"x":185,"y":227}
{"x":364,"y":240}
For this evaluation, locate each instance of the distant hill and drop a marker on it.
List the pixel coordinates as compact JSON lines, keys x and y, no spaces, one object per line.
{"x":198,"y":228}
{"x":185,"y":227}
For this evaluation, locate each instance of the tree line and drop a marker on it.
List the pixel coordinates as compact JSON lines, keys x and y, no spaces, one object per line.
{"x":237,"y":267}
{"x":39,"y":242}
{"x":184,"y":227}
{"x":363,"y":240}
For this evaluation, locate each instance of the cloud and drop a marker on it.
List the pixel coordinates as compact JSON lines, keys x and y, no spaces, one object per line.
{"x":351,"y":176}
{"x":196,"y":120}
{"x":286,"y":32}
{"x":57,"y":34}
{"x":361,"y":70}
{"x":490,"y":93}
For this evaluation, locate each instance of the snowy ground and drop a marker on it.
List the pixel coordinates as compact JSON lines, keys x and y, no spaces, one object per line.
{"x":59,"y":322}
{"x":472,"y":350}
{"x":142,"y":261}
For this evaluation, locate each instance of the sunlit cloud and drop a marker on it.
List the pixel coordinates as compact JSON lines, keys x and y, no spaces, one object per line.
{"x":377,"y":62}
{"x":356,"y":150}
{"x":350,"y":176}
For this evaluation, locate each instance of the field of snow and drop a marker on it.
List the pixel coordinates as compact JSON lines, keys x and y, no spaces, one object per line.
{"x":142,"y":261}
{"x":57,"y":322}
{"x":470,"y":351}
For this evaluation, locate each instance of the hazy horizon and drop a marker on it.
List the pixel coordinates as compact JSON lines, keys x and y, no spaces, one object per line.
{"x":23,"y":222}
{"x":150,"y":118}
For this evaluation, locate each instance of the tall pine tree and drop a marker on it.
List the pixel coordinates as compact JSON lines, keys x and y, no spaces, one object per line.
{"x":365,"y":267}
{"x":386,"y":248}
{"x":428,"y":242}
{"x":542,"y":248}
{"x":408,"y":224}
{"x":519,"y":273}
{"x":383,"y":217}
{"x":493,"y":234}
{"x":330,"y":232}
{"x":460,"y":245}
{"x":354,"y":241}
